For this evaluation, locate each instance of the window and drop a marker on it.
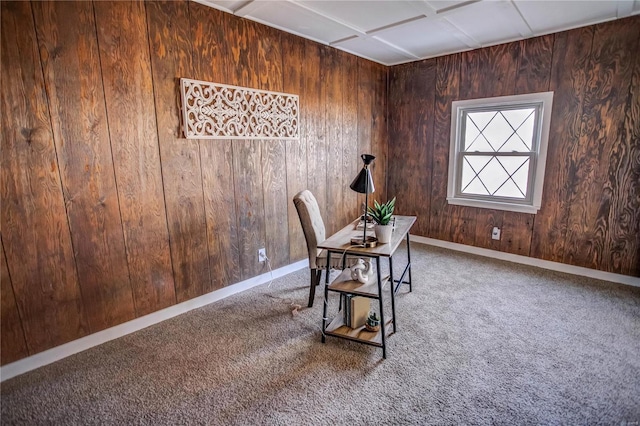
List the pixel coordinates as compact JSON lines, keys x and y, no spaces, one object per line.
{"x":498,"y":151}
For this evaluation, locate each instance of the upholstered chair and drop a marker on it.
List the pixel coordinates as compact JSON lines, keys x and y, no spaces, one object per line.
{"x":314,"y":232}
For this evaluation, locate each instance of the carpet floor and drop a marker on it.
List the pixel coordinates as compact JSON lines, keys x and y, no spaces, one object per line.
{"x":479,"y":341}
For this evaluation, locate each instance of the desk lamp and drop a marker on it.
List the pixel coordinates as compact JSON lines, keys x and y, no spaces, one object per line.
{"x":363,"y":183}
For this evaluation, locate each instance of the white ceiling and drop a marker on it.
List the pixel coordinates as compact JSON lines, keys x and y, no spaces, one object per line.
{"x":396,"y":31}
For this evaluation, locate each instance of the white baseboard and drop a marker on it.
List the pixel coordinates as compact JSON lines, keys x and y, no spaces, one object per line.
{"x":54,"y":354}
{"x":526,"y":260}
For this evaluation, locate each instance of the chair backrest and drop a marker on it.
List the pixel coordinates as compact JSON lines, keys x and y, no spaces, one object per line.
{"x":312,"y":223}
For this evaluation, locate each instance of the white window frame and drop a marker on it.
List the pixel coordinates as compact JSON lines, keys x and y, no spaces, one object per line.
{"x":531,"y":203}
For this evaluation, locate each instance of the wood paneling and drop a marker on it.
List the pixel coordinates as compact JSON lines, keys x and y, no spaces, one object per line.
{"x":13,"y":345}
{"x":379,"y":139}
{"x":274,"y":160}
{"x":411,"y":136}
{"x":108,"y":212}
{"x":217,"y":155}
{"x":243,"y":68}
{"x":499,"y":63}
{"x":315,"y":132}
{"x":533,"y":75}
{"x":35,"y":230}
{"x":170,"y":43}
{"x":366,"y":88}
{"x":96,"y":175}
{"x":590,"y":213}
{"x":70,"y":60}
{"x":600,"y":158}
{"x":568,"y":81}
{"x":296,"y":150}
{"x":351,"y":162}
{"x":622,"y":246}
{"x":332,"y":89}
{"x":126,"y":74}
{"x":442,"y":214}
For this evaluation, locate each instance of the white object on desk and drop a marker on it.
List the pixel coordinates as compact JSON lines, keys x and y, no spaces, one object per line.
{"x":362,"y":271}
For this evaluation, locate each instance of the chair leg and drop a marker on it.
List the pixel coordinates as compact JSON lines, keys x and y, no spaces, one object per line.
{"x":314,"y":281}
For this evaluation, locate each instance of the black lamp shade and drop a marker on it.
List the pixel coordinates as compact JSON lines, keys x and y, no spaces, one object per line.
{"x":363,"y":183}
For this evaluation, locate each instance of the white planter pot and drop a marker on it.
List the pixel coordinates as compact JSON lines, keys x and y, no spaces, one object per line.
{"x":383,"y":233}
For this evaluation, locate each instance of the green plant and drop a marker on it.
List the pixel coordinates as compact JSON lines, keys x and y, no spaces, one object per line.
{"x":381,"y":213}
{"x":373,"y":319}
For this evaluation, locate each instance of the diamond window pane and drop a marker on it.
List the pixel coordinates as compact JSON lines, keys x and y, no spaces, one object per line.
{"x":509,"y":189}
{"x":493,"y":175}
{"x":521,"y":177}
{"x":522,"y":123}
{"x":496,"y":176}
{"x":498,"y":131}
{"x":518,"y":170}
{"x":471,"y":166}
{"x":471,"y":132}
{"x":508,"y":130}
{"x":511,"y":164}
{"x":481,"y":118}
{"x":515,"y":144}
{"x":480,"y":144}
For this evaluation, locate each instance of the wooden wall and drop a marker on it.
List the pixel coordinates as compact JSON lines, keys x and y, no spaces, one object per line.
{"x":590,"y":213}
{"x":109,"y":214}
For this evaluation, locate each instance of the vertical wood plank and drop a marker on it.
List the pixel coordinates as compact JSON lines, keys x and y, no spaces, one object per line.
{"x":332,"y":87}
{"x":447,"y":87}
{"x":13,"y":345}
{"x":411,"y":130}
{"x":274,"y":161}
{"x":274,"y":178}
{"x":568,"y":81}
{"x":171,"y":58}
{"x":599,"y":155}
{"x":534,"y":65}
{"x":500,"y":63}
{"x":73,"y":80}
{"x":211,"y":64}
{"x":533,"y":75}
{"x":126,"y":73}
{"x":379,"y":139}
{"x":622,"y":245}
{"x":316,"y":132}
{"x":351,"y":162}
{"x":247,"y":154}
{"x":35,"y":232}
{"x":365,"y":120}
{"x":296,"y":150}
{"x":247,"y":166}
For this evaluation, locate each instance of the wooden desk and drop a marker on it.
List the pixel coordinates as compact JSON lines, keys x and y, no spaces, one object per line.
{"x":340,"y":244}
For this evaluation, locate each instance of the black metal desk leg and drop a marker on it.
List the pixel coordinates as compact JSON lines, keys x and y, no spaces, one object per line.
{"x":409,"y":261}
{"x":382,"y":323}
{"x":393,"y":293}
{"x":326,"y":295}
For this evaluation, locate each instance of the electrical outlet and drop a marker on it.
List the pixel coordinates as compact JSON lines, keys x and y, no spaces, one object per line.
{"x":262,"y":255}
{"x":495,"y":233}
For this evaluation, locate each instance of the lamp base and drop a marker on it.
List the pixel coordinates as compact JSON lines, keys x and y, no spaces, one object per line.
{"x":368,"y":243}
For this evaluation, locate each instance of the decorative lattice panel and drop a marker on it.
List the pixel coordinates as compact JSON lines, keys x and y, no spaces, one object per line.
{"x":220,"y":111}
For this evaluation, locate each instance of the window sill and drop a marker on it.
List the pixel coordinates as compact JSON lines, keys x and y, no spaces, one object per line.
{"x":520,"y":208}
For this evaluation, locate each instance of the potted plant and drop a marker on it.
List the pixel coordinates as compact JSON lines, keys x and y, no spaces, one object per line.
{"x":372,"y":322}
{"x":381,"y":214}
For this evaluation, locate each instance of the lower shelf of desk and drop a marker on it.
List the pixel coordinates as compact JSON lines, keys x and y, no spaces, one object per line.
{"x":337,"y":328}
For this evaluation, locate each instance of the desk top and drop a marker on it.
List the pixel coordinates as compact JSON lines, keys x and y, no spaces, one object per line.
{"x":341,"y":240}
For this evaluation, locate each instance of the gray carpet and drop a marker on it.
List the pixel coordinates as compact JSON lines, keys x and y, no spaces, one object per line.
{"x":479,"y":341}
